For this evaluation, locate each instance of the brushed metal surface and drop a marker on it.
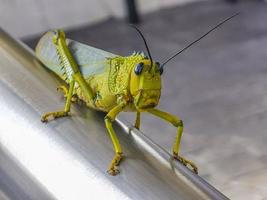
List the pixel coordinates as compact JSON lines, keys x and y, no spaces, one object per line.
{"x":68,"y":158}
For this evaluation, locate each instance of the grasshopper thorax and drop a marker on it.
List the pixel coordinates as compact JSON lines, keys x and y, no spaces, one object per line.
{"x":145,"y":84}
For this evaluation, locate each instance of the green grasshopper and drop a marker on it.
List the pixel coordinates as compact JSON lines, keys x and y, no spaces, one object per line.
{"x":110,"y":83}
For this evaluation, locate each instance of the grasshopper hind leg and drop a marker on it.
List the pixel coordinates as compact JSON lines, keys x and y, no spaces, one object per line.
{"x":61,"y":113}
{"x":72,"y":75}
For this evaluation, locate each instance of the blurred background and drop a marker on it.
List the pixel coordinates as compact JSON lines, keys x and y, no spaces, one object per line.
{"x":218,"y":87}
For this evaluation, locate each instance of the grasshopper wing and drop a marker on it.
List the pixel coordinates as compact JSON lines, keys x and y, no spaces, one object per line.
{"x":91,"y":61}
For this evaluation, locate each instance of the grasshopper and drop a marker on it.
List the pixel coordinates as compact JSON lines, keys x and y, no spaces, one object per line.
{"x":110,"y":83}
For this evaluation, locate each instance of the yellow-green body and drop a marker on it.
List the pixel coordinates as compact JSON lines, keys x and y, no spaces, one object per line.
{"x":114,"y":85}
{"x":111,"y":83}
{"x":108,"y":83}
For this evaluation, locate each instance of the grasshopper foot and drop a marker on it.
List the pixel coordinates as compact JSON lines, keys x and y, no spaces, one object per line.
{"x":137,"y":127}
{"x":53,"y":115}
{"x":113,"y":168}
{"x":185,"y":162}
{"x":113,"y":171}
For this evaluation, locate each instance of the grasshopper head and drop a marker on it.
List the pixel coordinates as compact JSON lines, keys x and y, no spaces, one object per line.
{"x":145,"y":84}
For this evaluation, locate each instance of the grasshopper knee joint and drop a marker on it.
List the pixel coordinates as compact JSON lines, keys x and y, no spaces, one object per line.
{"x":178,"y":123}
{"x":108,"y":119}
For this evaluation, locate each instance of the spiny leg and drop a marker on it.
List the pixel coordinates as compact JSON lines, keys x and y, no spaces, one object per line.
{"x":137,"y":120}
{"x":61,"y":113}
{"x":69,"y":64}
{"x":110,"y":117}
{"x":176,"y":147}
{"x":72,"y":72}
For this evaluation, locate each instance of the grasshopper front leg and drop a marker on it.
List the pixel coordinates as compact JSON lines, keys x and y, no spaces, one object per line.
{"x":176,"y":147}
{"x":110,"y":117}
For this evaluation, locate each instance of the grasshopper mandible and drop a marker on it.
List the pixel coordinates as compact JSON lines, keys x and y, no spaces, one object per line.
{"x":110,"y":83}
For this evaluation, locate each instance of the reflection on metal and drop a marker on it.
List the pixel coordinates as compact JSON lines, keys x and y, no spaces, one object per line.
{"x":67,"y":158}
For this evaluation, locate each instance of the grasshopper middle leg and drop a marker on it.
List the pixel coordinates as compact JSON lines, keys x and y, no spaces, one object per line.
{"x":137,"y":120}
{"x":176,"y":147}
{"x":110,"y":117}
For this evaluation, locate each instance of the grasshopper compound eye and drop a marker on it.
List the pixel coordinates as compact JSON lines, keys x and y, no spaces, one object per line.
{"x":160,"y":67}
{"x":138,"y":68}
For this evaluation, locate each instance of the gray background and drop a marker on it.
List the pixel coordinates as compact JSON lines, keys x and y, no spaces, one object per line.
{"x":24,"y":18}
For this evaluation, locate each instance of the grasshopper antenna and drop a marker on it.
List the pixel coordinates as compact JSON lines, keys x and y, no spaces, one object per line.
{"x":149,"y":54}
{"x":217,"y":26}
